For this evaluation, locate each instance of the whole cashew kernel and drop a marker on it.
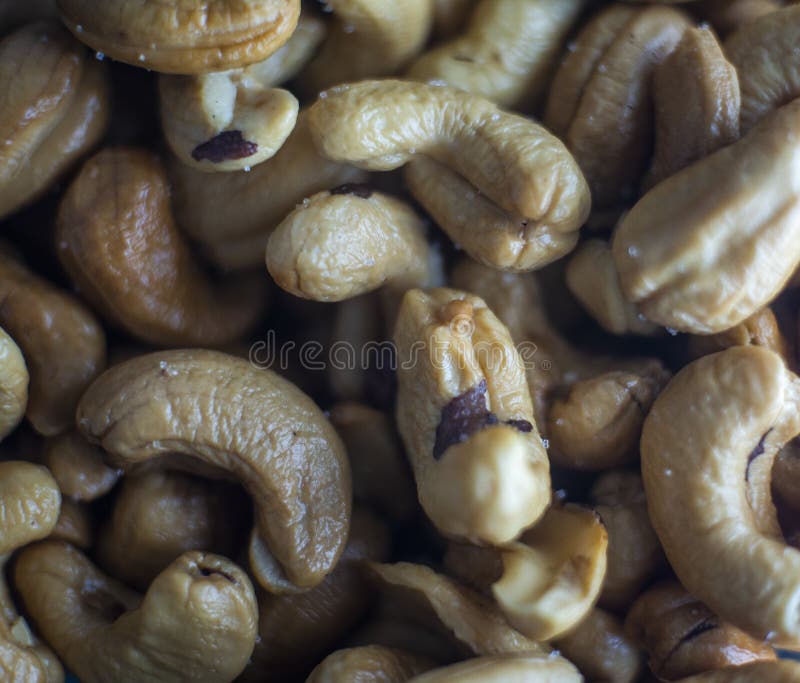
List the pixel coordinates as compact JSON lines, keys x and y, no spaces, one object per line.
{"x":517,"y":668}
{"x":196,"y":622}
{"x":260,"y":427}
{"x":78,"y":467}
{"x":118,"y":241}
{"x":466,"y":418}
{"x":758,"y":672}
{"x":514,"y":162}
{"x":13,"y":384}
{"x":29,"y":504}
{"x":699,"y":458}
{"x":709,"y":246}
{"x":507,"y":52}
{"x":182,"y":36}
{"x":369,"y":664}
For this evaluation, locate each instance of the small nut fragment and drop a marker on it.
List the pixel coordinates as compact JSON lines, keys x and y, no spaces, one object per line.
{"x":29,"y":504}
{"x":758,"y":672}
{"x":369,"y":664}
{"x":197,"y":621}
{"x":78,"y":467}
{"x":528,"y":667}
{"x":465,"y":415}
{"x":182,"y":36}
{"x":13,"y":384}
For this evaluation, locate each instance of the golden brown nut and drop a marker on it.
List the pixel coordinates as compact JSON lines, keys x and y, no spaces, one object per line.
{"x":760,"y":329}
{"x":182,"y":36}
{"x":466,"y":418}
{"x":29,"y":504}
{"x":682,"y":637}
{"x":74,"y":525}
{"x":78,"y":467}
{"x":706,"y":468}
{"x":369,"y":664}
{"x":57,"y":110}
{"x":786,"y":474}
{"x":528,"y":667}
{"x":13,"y":384}
{"x":260,"y":428}
{"x":196,"y":622}
{"x":697,"y":102}
{"x":708,"y":247}
{"x":599,"y":102}
{"x":759,"y":672}
{"x":157,"y":516}
{"x":507,"y":52}
{"x":118,"y":241}
{"x":729,"y":15}
{"x":634,"y":552}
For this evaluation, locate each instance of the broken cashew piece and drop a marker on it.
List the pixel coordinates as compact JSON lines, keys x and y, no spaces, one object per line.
{"x":369,"y":664}
{"x":249,"y":422}
{"x":520,"y":668}
{"x":196,"y":622}
{"x":697,"y":462}
{"x":465,"y":414}
{"x":13,"y":384}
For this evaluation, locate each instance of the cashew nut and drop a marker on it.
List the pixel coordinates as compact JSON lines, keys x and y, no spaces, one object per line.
{"x":760,"y":329}
{"x":252,"y":423}
{"x":74,"y":525}
{"x":118,"y":241}
{"x":729,"y":15}
{"x":698,"y":462}
{"x":786,"y":475}
{"x":56,"y":111}
{"x":369,"y":664}
{"x":466,"y":418}
{"x":518,"y":668}
{"x":182,"y":36}
{"x":13,"y":384}
{"x":450,"y":16}
{"x":196,"y":622}
{"x":708,"y":247}
{"x":759,"y":672}
{"x":507,"y":52}
{"x":78,"y":467}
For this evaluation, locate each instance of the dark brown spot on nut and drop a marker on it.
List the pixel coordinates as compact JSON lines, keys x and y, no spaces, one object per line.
{"x":758,"y":450}
{"x":224,"y":147}
{"x":357,"y":189}
{"x":210,"y":571}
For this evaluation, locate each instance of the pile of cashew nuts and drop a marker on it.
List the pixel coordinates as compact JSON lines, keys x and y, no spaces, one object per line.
{"x":426,"y":341}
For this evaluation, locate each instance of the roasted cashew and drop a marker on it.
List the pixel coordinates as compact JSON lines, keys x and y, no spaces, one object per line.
{"x":634,"y":553}
{"x":760,"y":329}
{"x":682,"y":637}
{"x":507,"y":52}
{"x":697,"y":103}
{"x":369,"y":664}
{"x":62,"y":342}
{"x":252,"y":423}
{"x":466,"y":418}
{"x":450,"y":16}
{"x":349,"y":241}
{"x":74,"y":525}
{"x":786,"y":475}
{"x":706,"y":468}
{"x":708,"y":247}
{"x":118,"y":241}
{"x":599,"y":102}
{"x":729,"y":15}
{"x":56,"y":111}
{"x":388,"y":630}
{"x":78,"y":467}
{"x":527,"y":667}
{"x":13,"y":384}
{"x":368,"y":39}
{"x":182,"y":36}
{"x":381,"y":125}
{"x":233,"y":214}
{"x":196,"y":622}
{"x":759,"y":672}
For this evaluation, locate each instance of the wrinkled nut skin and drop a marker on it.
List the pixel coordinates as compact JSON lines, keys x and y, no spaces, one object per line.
{"x":57,"y":111}
{"x":348,"y":241}
{"x":708,"y":247}
{"x":182,"y":36}
{"x":600,"y":649}
{"x":74,"y":525}
{"x":14,"y":380}
{"x":759,"y":672}
{"x":599,"y":102}
{"x":634,"y":553}
{"x":369,"y":664}
{"x":465,"y":415}
{"x":760,"y":329}
{"x":196,"y":622}
{"x":682,"y":637}
{"x":507,"y":52}
{"x":514,"y":162}
{"x":697,"y":104}
{"x":157,"y":516}
{"x":29,"y":504}
{"x":78,"y":467}
{"x":696,"y":462}
{"x":528,"y":667}
{"x":118,"y":241}
{"x":259,"y":427}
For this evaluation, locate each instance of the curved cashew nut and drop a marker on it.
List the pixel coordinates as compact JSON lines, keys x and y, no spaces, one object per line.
{"x":349,"y":241}
{"x":711,"y":245}
{"x":466,"y":418}
{"x":381,"y":125}
{"x":118,"y":241}
{"x":13,"y":384}
{"x":369,"y":663}
{"x":182,"y":36}
{"x":368,"y":39}
{"x":253,"y":423}
{"x":196,"y":622}
{"x":697,"y":458}
{"x":507,"y":52}
{"x":56,"y":112}
{"x":759,"y":672}
{"x":528,"y":667}
{"x":78,"y":467}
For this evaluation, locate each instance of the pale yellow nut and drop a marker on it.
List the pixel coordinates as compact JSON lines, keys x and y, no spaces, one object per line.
{"x":369,"y":664}
{"x":760,"y":672}
{"x":524,"y":668}
{"x":381,"y":125}
{"x":465,"y":414}
{"x":705,"y":434}
{"x":14,"y":380}
{"x":349,"y":241}
{"x":507,"y":52}
{"x":552,"y":576}
{"x":711,"y":245}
